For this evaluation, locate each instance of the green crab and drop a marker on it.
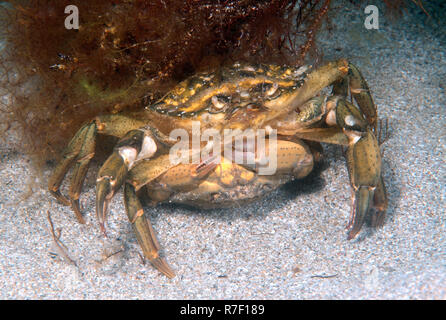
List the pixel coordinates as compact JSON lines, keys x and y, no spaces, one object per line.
{"x":282,"y":105}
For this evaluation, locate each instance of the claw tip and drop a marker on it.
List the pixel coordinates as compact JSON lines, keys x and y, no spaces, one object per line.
{"x":77,"y":210}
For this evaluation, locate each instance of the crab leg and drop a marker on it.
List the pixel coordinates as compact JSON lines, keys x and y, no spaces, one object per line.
{"x":342,"y":74}
{"x":363,"y":162}
{"x":364,"y":166}
{"x":348,"y":127}
{"x":179,"y":176}
{"x":316,"y":80}
{"x":331,"y":135}
{"x":145,"y":172}
{"x":361,"y":93}
{"x":131,"y":159}
{"x":80,"y":149}
{"x":144,"y":231}
{"x":185,"y":176}
{"x":355,"y":83}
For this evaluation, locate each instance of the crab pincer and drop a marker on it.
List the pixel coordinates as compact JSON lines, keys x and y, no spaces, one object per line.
{"x":112,"y":173}
{"x":109,"y":180}
{"x":364,"y":165}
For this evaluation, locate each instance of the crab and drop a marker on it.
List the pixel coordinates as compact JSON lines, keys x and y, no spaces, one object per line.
{"x":285,"y":106}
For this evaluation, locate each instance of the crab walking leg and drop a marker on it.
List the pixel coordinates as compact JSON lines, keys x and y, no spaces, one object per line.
{"x":80,"y":171}
{"x":179,"y":176}
{"x":144,"y":231}
{"x":330,"y":135}
{"x":80,"y":149}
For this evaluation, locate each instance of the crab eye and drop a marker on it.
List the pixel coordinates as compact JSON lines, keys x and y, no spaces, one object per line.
{"x":272,"y":90}
{"x":248,"y":69}
{"x":219,"y":103}
{"x":245,"y":95}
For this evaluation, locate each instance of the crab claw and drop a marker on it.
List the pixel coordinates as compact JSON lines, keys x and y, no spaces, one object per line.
{"x":112,"y":173}
{"x":364,"y":166}
{"x":110,"y":178}
{"x":104,"y":193}
{"x":361,"y":206}
{"x":380,"y":204}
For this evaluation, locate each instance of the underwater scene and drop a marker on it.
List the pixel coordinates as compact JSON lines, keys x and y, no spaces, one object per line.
{"x":215,"y":150}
